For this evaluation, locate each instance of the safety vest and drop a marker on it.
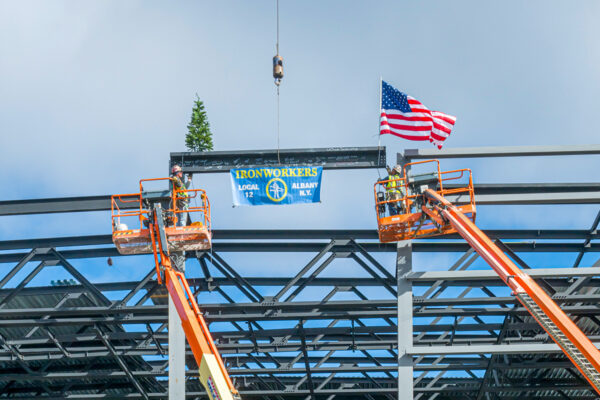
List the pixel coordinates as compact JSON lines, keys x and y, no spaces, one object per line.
{"x":393,"y":185}
{"x":178,"y":185}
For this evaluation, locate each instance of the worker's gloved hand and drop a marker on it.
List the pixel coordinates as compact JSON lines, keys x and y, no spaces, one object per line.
{"x":189,"y":177}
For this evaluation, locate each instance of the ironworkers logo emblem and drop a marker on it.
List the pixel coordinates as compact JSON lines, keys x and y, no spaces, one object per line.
{"x":276,"y":190}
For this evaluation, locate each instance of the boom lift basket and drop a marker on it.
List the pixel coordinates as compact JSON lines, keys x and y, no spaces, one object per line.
{"x":196,"y":236}
{"x":410,"y":216}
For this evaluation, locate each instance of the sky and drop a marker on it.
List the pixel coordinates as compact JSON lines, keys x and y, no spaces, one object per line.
{"x":95,"y":95}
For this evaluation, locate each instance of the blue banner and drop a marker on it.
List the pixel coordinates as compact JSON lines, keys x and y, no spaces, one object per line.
{"x":276,"y":185}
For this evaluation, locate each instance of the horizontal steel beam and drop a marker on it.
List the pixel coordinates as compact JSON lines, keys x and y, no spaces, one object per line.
{"x":302,"y":234}
{"x":346,"y":367}
{"x":530,"y":188}
{"x":530,"y":348}
{"x":349,"y":389}
{"x":591,"y":197}
{"x":328,"y":158}
{"x":275,"y":310}
{"x":204,"y":285}
{"x":72,"y":318}
{"x":485,"y":194}
{"x":303,"y":247}
{"x":59,"y":205}
{"x":501,"y":151}
{"x":432,"y":276}
{"x":351,"y":392}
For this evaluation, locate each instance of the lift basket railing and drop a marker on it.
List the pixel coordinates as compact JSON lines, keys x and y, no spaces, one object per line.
{"x":401,"y":217}
{"x":196,"y":200}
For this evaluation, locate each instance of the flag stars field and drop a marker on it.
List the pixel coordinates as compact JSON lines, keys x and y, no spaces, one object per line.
{"x":405,"y":117}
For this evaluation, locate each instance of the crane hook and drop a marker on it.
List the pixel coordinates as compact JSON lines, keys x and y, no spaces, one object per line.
{"x":278,"y":69}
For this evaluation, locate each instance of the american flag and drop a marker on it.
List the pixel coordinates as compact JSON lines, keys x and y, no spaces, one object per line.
{"x":406,"y":117}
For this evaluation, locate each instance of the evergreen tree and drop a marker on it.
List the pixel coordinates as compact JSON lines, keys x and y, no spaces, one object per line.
{"x":199,"y":137}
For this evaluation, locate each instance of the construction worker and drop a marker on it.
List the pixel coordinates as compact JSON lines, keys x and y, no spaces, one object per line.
{"x":183,"y":202}
{"x":394,"y":189}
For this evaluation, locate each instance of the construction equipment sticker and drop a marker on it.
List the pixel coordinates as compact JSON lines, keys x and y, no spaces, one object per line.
{"x":213,"y":391}
{"x":276,"y":185}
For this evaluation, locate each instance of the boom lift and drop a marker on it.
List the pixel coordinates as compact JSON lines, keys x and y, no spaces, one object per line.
{"x":159,"y":233}
{"x":424,"y":212}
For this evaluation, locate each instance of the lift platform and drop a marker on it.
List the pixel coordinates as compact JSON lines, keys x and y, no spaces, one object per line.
{"x":409,"y":218}
{"x":429,"y":213}
{"x":180,"y":236}
{"x":159,"y":233}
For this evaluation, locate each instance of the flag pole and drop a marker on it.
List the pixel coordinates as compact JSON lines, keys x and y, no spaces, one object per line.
{"x":379,"y":116}
{"x":379,"y":124}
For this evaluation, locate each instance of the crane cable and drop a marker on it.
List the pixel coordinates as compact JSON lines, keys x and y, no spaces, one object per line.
{"x":277,"y":52}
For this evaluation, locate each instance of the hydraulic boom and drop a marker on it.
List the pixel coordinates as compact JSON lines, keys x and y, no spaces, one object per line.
{"x":417,"y":208}
{"x":573,"y":342}
{"x":213,"y":375}
{"x":164,"y":232}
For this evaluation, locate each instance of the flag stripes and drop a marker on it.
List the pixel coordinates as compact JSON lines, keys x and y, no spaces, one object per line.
{"x":406,"y":117}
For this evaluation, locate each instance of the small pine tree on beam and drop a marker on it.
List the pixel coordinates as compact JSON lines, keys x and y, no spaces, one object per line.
{"x":199,"y":137}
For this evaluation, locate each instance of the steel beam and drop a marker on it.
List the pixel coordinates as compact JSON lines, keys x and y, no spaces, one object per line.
{"x":201,"y":284}
{"x":405,"y":320}
{"x":530,"y":348}
{"x":485,"y":194}
{"x":59,"y":205}
{"x":506,"y":151}
{"x":176,"y":354}
{"x":315,"y":247}
{"x":306,"y":234}
{"x":328,"y":158}
{"x":477,"y":275}
{"x":589,"y":197}
{"x":122,"y":364}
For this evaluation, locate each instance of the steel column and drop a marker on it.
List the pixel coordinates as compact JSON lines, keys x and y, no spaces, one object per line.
{"x":405,"y":320}
{"x":176,"y":341}
{"x":176,"y":355}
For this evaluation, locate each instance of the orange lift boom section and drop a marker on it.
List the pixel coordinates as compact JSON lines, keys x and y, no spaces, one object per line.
{"x":439,"y":216}
{"x":160,"y":234}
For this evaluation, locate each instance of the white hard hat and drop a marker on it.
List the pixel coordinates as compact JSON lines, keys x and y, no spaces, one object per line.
{"x":175,"y":169}
{"x":398,"y":168}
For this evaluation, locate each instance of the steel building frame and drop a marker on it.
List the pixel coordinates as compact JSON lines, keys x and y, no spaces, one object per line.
{"x":308,"y":335}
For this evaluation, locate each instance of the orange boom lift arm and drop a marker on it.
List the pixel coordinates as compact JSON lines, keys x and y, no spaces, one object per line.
{"x":573,"y":342}
{"x":154,"y":237}
{"x":439,"y":216}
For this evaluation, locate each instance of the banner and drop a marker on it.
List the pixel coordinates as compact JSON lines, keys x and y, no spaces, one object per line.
{"x":276,"y":185}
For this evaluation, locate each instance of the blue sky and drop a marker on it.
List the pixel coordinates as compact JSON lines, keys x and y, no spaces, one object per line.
{"x":94,"y":95}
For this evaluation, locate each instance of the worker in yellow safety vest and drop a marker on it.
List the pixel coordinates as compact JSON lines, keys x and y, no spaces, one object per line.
{"x":394,"y":189}
{"x":183,"y":202}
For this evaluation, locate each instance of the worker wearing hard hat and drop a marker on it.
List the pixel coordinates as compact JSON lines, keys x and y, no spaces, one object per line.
{"x":394,"y":189}
{"x":183,"y":202}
